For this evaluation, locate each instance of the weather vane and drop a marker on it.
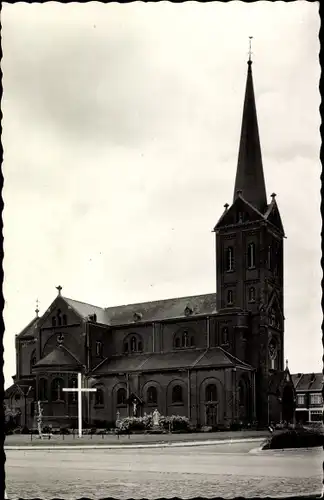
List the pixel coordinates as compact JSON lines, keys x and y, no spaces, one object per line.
{"x":250,"y":48}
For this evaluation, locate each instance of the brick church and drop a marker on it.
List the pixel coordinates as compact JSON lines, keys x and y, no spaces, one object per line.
{"x":212,"y":358}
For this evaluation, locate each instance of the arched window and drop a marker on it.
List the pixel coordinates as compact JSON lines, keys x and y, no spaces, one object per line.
{"x":152,"y":395}
{"x":53,"y":321}
{"x":121,"y":396}
{"x":33,"y":361}
{"x":185,"y":339}
{"x":252,"y":294}
{"x":224,"y":339}
{"x":56,"y":393}
{"x":251,"y":255}
{"x":177,"y":394}
{"x":99,"y":397}
{"x":229,"y":259}
{"x":211,"y":393}
{"x":229,"y":297}
{"x":64,"y":319}
{"x":42,"y":391}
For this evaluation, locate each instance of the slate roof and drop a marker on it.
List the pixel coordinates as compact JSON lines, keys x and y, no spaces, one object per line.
{"x":182,"y":359}
{"x":84,"y":310}
{"x":31,"y":329}
{"x":59,"y":356}
{"x":162,"y":309}
{"x":148,"y":311}
{"x":308,"y":381}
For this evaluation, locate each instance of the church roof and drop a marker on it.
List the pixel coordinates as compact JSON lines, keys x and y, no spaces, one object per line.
{"x":162,"y":309}
{"x":85,"y":310}
{"x":182,"y":359}
{"x":157,"y":310}
{"x":29,"y":330}
{"x":59,"y":356}
{"x":249,"y":175}
{"x":308,"y":381}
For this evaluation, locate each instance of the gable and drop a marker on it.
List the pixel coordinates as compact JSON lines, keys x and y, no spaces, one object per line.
{"x":272,"y":215}
{"x":30,"y":331}
{"x":60,"y":356}
{"x":240,"y":212}
{"x":62,"y":312}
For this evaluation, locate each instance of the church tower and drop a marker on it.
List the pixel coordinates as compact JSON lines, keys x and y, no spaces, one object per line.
{"x":249,"y":260}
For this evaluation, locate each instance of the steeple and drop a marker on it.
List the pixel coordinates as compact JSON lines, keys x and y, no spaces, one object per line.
{"x":249,"y":180}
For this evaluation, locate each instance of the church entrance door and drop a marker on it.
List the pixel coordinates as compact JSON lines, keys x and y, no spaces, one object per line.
{"x":211,"y":415}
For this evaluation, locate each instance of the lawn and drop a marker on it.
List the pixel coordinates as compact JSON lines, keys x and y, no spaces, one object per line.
{"x":109,"y":439}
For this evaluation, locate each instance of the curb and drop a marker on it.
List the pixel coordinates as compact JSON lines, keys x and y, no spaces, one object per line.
{"x":137,"y":446}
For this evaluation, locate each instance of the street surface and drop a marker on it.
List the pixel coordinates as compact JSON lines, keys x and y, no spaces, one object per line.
{"x":216,"y":470}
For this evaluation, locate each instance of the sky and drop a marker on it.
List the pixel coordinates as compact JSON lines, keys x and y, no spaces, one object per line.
{"x":121,"y":127}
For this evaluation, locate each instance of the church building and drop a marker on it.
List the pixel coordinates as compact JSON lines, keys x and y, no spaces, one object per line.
{"x":209,"y":357}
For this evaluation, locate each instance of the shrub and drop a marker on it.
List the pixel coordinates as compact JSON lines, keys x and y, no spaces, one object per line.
{"x":295,"y":438}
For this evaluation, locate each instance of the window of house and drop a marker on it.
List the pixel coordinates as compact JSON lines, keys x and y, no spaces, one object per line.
{"x":211,"y":393}
{"x":42,"y":391}
{"x":56,"y":390}
{"x":224,"y":339}
{"x":152,"y":395}
{"x":316,"y":416}
{"x":315,"y":399}
{"x":229,"y":259}
{"x":99,"y":397}
{"x":251,"y":294}
{"x":301,"y":399}
{"x":251,"y":255}
{"x":177,"y":394}
{"x":229,"y":297}
{"x":99,"y":349}
{"x":121,"y":396}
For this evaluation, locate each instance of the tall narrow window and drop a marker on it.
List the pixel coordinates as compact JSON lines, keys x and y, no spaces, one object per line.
{"x":59,"y":317}
{"x":211,"y":393}
{"x":252,"y":294}
{"x":53,"y":321}
{"x":99,"y":397}
{"x":133,"y":344}
{"x":57,"y":393}
{"x":269,"y":258}
{"x":229,"y":297}
{"x":98,"y":349}
{"x":177,"y":394}
{"x":224,"y":338}
{"x":229,"y":259}
{"x":121,"y":396}
{"x":64,"y":319}
{"x":152,"y":395}
{"x":251,"y":255}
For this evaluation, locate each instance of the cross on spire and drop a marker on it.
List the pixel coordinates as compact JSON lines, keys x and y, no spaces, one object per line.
{"x":59,"y":289}
{"x":250,"y":49}
{"x":37,"y":308}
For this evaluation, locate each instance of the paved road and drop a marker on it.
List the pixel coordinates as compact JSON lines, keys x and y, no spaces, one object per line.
{"x":209,"y":471}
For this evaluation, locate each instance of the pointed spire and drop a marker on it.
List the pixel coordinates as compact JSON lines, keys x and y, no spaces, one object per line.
{"x":249,"y":175}
{"x":37,"y":308}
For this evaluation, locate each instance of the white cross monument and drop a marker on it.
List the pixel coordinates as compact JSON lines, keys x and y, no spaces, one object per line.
{"x":79,"y":390}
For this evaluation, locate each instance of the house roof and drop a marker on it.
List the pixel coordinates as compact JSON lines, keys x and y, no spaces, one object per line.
{"x":182,"y":359}
{"x":59,"y":356}
{"x":308,"y":381}
{"x":30,"y":330}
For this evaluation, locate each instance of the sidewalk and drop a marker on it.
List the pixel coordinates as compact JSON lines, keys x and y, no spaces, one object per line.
{"x":19,"y":442}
